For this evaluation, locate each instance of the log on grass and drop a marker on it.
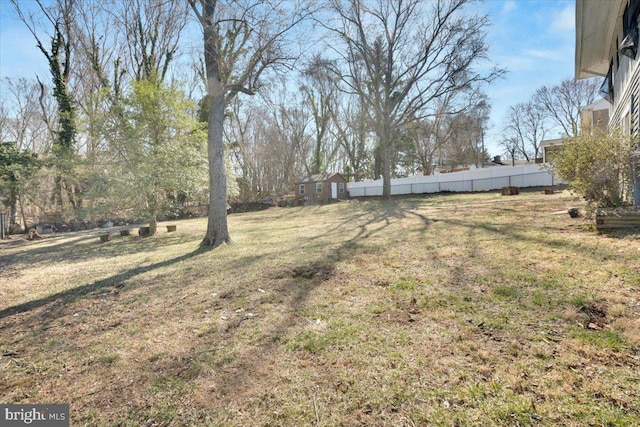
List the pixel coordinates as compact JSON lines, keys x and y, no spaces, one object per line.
{"x":510,"y":191}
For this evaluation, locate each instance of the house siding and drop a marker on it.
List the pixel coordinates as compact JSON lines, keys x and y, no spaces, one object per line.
{"x":625,"y":71}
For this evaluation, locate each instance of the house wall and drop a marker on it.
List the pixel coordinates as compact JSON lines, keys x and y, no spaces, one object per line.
{"x":595,"y":116}
{"x":626,"y":79}
{"x":626,"y":90}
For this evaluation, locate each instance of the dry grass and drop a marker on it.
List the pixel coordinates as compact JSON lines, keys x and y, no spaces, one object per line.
{"x":471,"y":309}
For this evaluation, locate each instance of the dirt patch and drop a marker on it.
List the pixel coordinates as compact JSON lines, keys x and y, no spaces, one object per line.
{"x":593,"y":316}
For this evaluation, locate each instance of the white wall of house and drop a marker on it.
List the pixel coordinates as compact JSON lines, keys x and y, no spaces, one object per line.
{"x":599,"y":34}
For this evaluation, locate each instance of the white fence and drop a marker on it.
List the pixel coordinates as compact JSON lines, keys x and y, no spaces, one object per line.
{"x":492,"y":178}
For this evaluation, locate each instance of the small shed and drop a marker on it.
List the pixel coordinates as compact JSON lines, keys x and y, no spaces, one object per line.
{"x":321,"y":187}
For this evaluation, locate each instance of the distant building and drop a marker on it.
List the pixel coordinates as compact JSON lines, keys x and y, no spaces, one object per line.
{"x":594,"y":116}
{"x":548,"y":146}
{"x":322,"y":187}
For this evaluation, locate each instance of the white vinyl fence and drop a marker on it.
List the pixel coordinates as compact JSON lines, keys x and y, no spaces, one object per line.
{"x":493,"y":178}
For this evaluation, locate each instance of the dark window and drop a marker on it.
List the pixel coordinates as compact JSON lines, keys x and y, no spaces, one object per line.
{"x":301,"y":188}
{"x":630,"y":17}
{"x":341,"y":187}
{"x":606,"y":89}
{"x":629,"y":45}
{"x":318,"y":187}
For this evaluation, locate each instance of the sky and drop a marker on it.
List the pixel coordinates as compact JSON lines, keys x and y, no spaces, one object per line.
{"x":533,"y":39}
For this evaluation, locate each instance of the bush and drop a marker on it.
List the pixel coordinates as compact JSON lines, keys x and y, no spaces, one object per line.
{"x":599,"y":167}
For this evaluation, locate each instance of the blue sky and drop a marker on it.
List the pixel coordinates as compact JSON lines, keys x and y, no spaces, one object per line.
{"x":533,"y":39}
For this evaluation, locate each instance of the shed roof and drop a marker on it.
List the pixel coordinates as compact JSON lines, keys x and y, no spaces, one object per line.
{"x":319,"y":177}
{"x":551,"y":142}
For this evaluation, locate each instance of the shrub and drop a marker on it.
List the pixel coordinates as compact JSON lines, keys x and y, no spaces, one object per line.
{"x":599,"y":167}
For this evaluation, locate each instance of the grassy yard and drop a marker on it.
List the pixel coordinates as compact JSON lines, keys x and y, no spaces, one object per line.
{"x":446,"y":310}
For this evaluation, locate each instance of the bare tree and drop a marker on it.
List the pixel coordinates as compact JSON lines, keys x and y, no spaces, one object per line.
{"x":354,"y":138}
{"x":97,"y":75}
{"x":402,"y":55}
{"x":242,"y":40}
{"x":525,"y":128}
{"x":59,"y":16}
{"x":25,"y":125}
{"x":320,"y":92}
{"x":511,"y":145}
{"x":564,"y":101}
{"x":467,"y":129}
{"x":238,"y":134}
{"x":152,"y":30}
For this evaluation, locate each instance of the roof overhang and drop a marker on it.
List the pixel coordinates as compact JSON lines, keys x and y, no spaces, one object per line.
{"x":595,"y":31}
{"x":600,"y":104}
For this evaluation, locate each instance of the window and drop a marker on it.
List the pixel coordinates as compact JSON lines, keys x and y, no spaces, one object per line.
{"x":341,"y":187}
{"x":606,"y":90}
{"x":630,"y":17}
{"x":301,"y":188}
{"x":318,"y":187}
{"x":629,"y":45}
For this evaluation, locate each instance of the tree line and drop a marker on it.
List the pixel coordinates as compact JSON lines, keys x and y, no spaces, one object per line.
{"x":152,"y":104}
{"x":552,"y":112}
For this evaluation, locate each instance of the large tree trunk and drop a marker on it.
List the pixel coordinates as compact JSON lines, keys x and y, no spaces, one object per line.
{"x":387,"y":147}
{"x":153,"y":225}
{"x":217,"y":231}
{"x":13,"y":200}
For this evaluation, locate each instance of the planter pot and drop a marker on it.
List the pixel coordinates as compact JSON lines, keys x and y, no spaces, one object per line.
{"x":124,"y":232}
{"x":171,"y":228}
{"x":143,"y":231}
{"x":612,"y":220}
{"x":105,"y":238}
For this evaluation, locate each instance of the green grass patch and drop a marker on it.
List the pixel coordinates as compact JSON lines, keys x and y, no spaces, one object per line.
{"x":506,"y":291}
{"x":602,"y":339}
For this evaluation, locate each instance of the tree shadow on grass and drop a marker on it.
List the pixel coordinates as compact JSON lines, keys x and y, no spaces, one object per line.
{"x":295,"y":287}
{"x":88,"y":246}
{"x":84,"y":290}
{"x":516,"y":234}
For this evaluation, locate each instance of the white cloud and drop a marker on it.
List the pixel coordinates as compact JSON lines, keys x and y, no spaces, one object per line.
{"x":508,"y":7}
{"x":563,"y":21}
{"x":515,"y":63}
{"x":559,"y":54}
